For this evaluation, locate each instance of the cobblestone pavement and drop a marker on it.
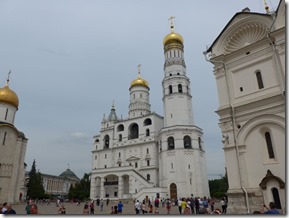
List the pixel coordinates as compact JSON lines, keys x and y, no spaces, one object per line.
{"x":73,"y":209}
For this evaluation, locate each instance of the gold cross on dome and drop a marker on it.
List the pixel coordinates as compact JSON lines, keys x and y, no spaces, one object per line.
{"x":172,"y":22}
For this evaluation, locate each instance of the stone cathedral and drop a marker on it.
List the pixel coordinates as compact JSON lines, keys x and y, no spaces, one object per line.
{"x":147,"y":155}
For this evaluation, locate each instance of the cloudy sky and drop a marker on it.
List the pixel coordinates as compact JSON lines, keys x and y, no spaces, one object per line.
{"x":70,"y":59}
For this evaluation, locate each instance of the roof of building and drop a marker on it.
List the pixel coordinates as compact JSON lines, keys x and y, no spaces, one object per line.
{"x":68,"y":173}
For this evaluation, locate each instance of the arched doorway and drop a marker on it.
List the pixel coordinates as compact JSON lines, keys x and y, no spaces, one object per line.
{"x":173,"y":191}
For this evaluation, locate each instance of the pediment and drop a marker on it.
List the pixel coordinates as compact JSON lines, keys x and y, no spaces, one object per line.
{"x":242,"y":30}
{"x":132,"y":158}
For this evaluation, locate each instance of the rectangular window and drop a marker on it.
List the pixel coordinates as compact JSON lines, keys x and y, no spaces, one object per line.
{"x":148,"y":162}
{"x":119,"y":154}
{"x":135,"y":165}
{"x":105,"y":156}
{"x":95,"y":157}
{"x":172,"y":165}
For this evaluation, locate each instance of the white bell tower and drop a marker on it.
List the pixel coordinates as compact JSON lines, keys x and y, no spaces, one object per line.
{"x":177,"y":98}
{"x":182,"y":156}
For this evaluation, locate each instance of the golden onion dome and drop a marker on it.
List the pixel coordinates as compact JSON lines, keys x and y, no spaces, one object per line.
{"x":139,"y":82}
{"x":173,"y":38}
{"x":8,"y":96}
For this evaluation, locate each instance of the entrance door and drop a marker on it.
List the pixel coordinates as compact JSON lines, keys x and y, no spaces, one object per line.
{"x":173,"y":191}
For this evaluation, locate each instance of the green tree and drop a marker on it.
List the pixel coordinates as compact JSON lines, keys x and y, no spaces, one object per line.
{"x":35,"y":187}
{"x":219,"y":187}
{"x":81,"y":189}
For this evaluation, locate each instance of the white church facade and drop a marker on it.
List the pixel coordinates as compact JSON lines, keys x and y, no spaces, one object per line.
{"x":249,"y":68}
{"x":13,"y":145}
{"x":147,"y":153}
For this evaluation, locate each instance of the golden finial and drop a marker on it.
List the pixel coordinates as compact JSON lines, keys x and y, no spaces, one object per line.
{"x":266,"y":7}
{"x":138,"y":67}
{"x":172,"y":23}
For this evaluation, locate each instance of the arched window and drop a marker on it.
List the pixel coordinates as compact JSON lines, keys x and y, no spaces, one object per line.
{"x":120,"y":128}
{"x":147,"y":122}
{"x":148,"y":177}
{"x":171,"y":143}
{"x":276,"y":198}
{"x":259,"y":80}
{"x":147,"y":132}
{"x":120,"y":137}
{"x":200,"y":142}
{"x":170,"y":89}
{"x":106,"y":142}
{"x":133,"y":132}
{"x":180,"y":88}
{"x":269,"y":145}
{"x":187,"y":142}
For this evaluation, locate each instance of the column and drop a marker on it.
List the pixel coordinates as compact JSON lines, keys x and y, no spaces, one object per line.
{"x":92,"y":188}
{"x":120,"y":187}
{"x":102,"y":195}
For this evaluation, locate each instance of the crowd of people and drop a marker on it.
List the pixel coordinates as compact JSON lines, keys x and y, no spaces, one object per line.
{"x":186,"y":206}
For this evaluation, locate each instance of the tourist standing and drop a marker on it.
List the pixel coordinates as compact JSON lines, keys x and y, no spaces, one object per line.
{"x":91,"y":206}
{"x":197,"y":205}
{"x":9,"y":209}
{"x":33,"y":208}
{"x":62,"y":210}
{"x":272,"y":209}
{"x":223,"y":205}
{"x":101,"y":205}
{"x":4,"y":207}
{"x":27,"y":208}
{"x":168,"y":206}
{"x":85,"y":209}
{"x":119,"y":207}
{"x":137,"y":206}
{"x":143,"y":208}
{"x":180,"y":205}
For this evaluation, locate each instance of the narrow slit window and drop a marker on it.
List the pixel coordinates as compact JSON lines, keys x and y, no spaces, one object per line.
{"x":4,"y":138}
{"x":180,"y":88}
{"x":269,"y":145}
{"x":259,"y":80}
{"x":6,"y":114}
{"x":170,"y":89}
